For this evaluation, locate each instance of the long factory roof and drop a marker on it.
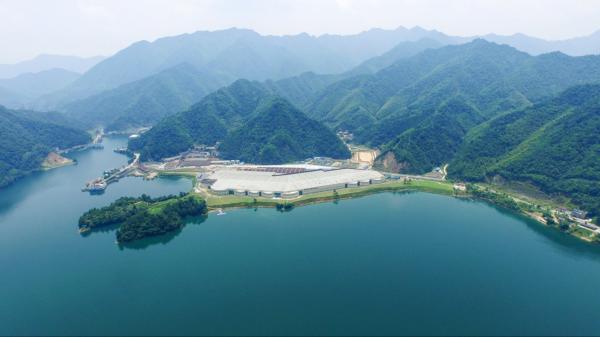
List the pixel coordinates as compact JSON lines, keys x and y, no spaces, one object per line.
{"x":237,"y":178}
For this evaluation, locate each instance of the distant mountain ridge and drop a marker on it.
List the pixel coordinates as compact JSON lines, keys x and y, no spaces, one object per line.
{"x":27,"y":87}
{"x":238,"y":53}
{"x":577,"y":46}
{"x":46,"y":62}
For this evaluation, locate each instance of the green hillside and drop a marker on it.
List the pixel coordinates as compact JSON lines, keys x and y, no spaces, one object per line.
{"x":28,"y":137}
{"x":206,"y":122}
{"x":554,"y":144}
{"x":420,"y":108}
{"x":280,"y":133}
{"x":233,"y":109}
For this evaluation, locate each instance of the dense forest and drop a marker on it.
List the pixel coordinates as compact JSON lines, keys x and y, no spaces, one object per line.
{"x":144,"y":216}
{"x":280,"y":133}
{"x":444,"y":91}
{"x":206,"y":122}
{"x":28,"y":137}
{"x":554,"y":144}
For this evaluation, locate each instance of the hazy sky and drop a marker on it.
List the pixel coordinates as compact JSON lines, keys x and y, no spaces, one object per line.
{"x":91,"y":27}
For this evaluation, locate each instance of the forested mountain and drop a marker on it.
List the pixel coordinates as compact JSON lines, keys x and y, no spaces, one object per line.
{"x":118,"y":89}
{"x":280,"y":133}
{"x":47,"y":62}
{"x":239,"y":53}
{"x":146,"y":101}
{"x":554,"y":144}
{"x":206,"y":122}
{"x":443,"y":93}
{"x":27,"y":87}
{"x":28,"y":137}
{"x":239,"y":115}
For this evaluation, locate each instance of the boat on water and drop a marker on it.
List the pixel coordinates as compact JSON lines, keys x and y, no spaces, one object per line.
{"x":95,"y":186}
{"x":220,"y":212}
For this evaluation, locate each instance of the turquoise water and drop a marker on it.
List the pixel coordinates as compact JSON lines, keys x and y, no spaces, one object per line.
{"x":386,"y":264}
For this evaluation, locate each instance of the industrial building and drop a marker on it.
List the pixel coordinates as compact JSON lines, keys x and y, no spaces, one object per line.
{"x":286,"y":182}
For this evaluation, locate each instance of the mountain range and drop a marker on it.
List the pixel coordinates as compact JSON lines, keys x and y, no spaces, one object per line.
{"x":224,"y":56}
{"x":238,"y":53}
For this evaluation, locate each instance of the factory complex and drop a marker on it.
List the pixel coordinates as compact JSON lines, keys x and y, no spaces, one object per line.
{"x":284,"y":181}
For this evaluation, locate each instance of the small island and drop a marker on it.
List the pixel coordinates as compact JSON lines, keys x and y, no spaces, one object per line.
{"x":144,"y":216}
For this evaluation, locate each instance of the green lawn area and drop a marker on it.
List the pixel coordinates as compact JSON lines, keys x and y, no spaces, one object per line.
{"x":156,"y":208}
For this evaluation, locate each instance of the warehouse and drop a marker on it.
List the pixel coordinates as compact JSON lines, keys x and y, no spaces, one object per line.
{"x":288,"y":183}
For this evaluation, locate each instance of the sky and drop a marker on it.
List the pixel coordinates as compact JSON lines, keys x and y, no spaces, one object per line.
{"x":102,"y":27}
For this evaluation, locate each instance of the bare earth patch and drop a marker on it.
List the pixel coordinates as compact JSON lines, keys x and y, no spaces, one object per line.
{"x":54,"y":160}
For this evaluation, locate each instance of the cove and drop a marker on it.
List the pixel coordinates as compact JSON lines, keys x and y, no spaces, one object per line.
{"x":406,"y":263}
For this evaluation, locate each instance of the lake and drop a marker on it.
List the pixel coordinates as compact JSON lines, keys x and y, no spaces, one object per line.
{"x":407,"y":263}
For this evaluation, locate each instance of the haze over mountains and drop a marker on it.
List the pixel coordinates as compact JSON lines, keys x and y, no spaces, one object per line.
{"x":46,"y":62}
{"x":22,"y":90}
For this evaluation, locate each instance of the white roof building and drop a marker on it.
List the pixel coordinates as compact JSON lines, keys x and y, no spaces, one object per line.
{"x":242,"y":179}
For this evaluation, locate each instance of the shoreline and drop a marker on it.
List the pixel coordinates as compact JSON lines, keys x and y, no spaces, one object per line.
{"x":215,"y":203}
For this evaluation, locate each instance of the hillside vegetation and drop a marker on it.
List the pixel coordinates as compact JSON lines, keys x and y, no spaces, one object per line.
{"x":554,"y":144}
{"x":28,"y":137}
{"x":254,"y":124}
{"x":280,"y":133}
{"x":143,"y":217}
{"x":420,"y":108}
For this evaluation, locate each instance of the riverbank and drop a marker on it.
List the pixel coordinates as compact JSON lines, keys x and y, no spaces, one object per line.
{"x":546,"y":212}
{"x":542,"y":214}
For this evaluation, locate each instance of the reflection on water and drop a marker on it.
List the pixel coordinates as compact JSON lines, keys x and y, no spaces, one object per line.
{"x":162,"y":239}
